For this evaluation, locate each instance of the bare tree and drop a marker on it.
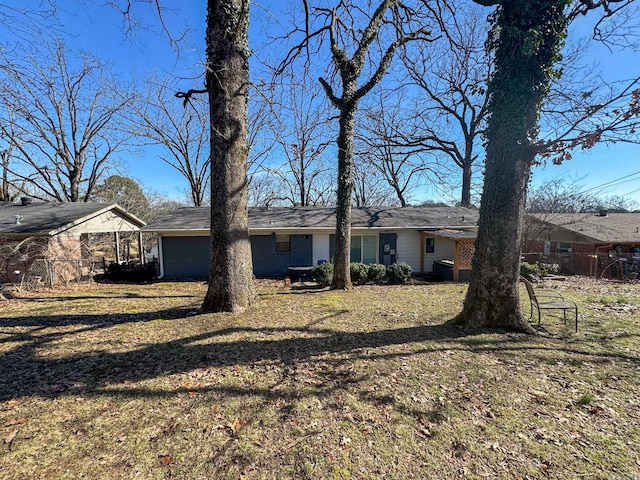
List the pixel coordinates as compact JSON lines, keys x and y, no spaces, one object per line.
{"x":23,"y":21}
{"x":382,"y":148}
{"x":369,"y":188}
{"x":582,"y":108}
{"x":300,"y":130}
{"x":8,"y":192}
{"x":60,"y":121}
{"x":372,"y":33}
{"x":569,"y":195}
{"x":451,"y":78}
{"x":158,"y":118}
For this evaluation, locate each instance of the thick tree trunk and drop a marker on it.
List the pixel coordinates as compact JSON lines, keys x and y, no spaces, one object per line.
{"x":227,"y":79}
{"x":530,"y":35}
{"x":342,"y":258}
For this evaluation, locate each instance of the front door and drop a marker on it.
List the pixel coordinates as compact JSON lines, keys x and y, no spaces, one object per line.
{"x":387,"y":253}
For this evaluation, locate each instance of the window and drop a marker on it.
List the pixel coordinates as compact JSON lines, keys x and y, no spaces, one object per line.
{"x":283,"y":243}
{"x":364,"y":248}
{"x":429,"y":245}
{"x":563,"y":247}
{"x":369,"y":249}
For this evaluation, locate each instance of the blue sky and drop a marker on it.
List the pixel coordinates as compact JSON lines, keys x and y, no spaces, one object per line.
{"x":604,"y":164}
{"x":96,"y":28}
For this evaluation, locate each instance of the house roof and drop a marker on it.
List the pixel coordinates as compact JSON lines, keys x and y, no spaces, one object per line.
{"x":450,"y":234}
{"x":50,"y":218}
{"x":309,"y":218}
{"x":596,"y":228}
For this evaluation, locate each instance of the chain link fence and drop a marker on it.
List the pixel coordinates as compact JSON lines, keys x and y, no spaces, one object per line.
{"x":604,"y":265}
{"x":52,"y":272}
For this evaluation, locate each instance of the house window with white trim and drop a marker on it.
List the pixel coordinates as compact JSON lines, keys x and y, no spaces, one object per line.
{"x":430,"y":245}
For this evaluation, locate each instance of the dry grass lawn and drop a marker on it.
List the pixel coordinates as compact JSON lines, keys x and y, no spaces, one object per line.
{"x":119,"y":381}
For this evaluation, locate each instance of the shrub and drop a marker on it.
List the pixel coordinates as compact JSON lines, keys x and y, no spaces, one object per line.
{"x":358,"y":273}
{"x":399,"y":273}
{"x":547,"y":268}
{"x":377,"y":273}
{"x":323,"y":274}
{"x":529,"y":271}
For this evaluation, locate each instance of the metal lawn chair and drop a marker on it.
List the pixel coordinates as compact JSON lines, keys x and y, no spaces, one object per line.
{"x":544,"y":299}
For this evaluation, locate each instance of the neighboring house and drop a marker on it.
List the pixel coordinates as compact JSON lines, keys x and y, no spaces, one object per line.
{"x":582,"y":243}
{"x":34,"y":231}
{"x":305,"y":236}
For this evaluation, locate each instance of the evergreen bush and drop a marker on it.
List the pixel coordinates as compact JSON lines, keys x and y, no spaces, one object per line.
{"x":529,"y":271}
{"x":399,"y":273}
{"x":377,"y":273}
{"x":323,"y":274}
{"x":548,"y":268}
{"x":359,"y":273}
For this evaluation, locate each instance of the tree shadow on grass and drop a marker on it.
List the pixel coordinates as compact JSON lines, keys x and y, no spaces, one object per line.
{"x":102,"y":320}
{"x":26,"y":373}
{"x":126,"y":296}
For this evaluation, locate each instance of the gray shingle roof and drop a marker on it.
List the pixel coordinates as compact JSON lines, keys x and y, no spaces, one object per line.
{"x":612,"y":228}
{"x":423,"y":217}
{"x":40,"y":218}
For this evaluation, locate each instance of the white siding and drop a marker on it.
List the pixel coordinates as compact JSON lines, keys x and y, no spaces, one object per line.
{"x":106,"y":222}
{"x":320,"y":247}
{"x":408,"y":249}
{"x":444,"y":250}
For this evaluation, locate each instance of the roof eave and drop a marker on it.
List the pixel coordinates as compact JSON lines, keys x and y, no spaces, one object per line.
{"x":114,"y":206}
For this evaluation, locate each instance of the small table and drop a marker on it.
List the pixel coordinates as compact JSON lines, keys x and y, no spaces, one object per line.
{"x":298,"y":274}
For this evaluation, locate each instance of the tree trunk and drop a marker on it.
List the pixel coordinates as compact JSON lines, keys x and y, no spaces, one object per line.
{"x":530,"y":35}
{"x":342,"y":258}
{"x":4,"y":188}
{"x":467,"y":164}
{"x":466,"y":185}
{"x":227,"y":79}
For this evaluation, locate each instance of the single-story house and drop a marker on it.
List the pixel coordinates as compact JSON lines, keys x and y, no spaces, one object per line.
{"x":582,"y":243}
{"x":305,"y":236}
{"x":33,"y":231}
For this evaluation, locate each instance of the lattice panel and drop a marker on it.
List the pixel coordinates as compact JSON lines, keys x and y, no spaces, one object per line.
{"x":465,"y":254}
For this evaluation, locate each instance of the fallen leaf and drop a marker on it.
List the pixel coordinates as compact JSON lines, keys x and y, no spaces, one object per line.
{"x":193,"y":394}
{"x":165,"y":459}
{"x":167,"y":429}
{"x":235,"y":425}
{"x":9,"y":438}
{"x":18,"y":421}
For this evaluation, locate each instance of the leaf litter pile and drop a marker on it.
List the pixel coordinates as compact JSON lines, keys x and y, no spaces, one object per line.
{"x":122,"y":381}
